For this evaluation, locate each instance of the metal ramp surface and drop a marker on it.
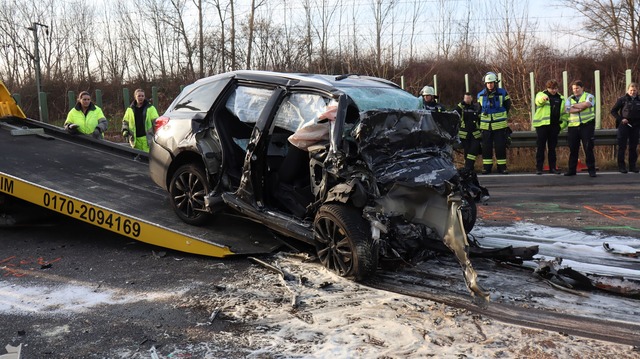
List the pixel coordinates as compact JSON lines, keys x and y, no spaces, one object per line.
{"x":108,"y":185}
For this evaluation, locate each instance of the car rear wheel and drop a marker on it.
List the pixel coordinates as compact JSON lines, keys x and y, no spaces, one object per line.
{"x":187,"y":190}
{"x":469,"y":211}
{"x":343,"y":242}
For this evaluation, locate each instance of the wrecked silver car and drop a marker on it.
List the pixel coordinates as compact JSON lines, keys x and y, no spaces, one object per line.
{"x":348,"y":164}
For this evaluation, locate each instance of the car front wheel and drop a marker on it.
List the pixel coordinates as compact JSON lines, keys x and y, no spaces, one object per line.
{"x":187,"y":190}
{"x":343,"y":242}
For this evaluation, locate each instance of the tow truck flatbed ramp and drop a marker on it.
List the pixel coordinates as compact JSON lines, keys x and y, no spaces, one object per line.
{"x":108,"y":185}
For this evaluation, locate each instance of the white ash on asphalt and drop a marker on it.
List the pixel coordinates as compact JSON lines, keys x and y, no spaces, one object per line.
{"x":339,"y":318}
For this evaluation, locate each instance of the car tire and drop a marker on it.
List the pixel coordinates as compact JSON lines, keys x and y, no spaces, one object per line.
{"x":469,"y":210}
{"x":187,"y":190}
{"x":343,"y":242}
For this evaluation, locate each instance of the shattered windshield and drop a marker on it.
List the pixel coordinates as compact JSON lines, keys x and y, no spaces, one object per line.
{"x":373,"y":98}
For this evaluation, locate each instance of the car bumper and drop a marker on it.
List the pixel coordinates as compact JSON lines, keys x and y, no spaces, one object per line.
{"x":159,"y":162}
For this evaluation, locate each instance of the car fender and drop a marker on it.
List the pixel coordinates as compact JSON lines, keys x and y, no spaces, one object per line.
{"x":353,"y":190}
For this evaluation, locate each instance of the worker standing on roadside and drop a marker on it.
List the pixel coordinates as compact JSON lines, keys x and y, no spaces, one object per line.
{"x":137,"y":124}
{"x":469,"y":133}
{"x":548,"y":120}
{"x":495,"y":104}
{"x":429,"y":98}
{"x":580,"y":107}
{"x":627,"y":114}
{"x":86,"y":118}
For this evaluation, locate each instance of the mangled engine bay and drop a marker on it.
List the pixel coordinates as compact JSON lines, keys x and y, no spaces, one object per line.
{"x":416,"y":195}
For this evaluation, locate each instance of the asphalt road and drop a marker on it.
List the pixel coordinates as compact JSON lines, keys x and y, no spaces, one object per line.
{"x":609,"y":203}
{"x":43,"y":249}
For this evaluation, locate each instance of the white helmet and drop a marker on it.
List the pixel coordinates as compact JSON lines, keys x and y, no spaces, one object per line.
{"x":428,"y":90}
{"x":490,"y":77}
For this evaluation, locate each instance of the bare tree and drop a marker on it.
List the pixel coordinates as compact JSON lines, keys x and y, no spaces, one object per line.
{"x":607,"y":21}
{"x":382,"y":10}
{"x":222,"y":16}
{"x":443,"y":29}
{"x":254,"y":7}
{"x":511,"y":46}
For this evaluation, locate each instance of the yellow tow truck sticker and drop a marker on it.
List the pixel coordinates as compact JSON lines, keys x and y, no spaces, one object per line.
{"x":107,"y":219}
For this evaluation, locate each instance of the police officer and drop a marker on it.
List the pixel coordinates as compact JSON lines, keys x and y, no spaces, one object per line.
{"x":548,"y":120}
{"x":627,"y":114}
{"x":137,"y":124}
{"x":495,"y":104}
{"x":581,"y":128}
{"x":429,"y":97}
{"x":86,"y":118}
{"x":469,"y":133}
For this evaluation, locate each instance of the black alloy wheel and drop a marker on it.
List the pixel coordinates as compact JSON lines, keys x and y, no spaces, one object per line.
{"x":187,"y":190}
{"x":343,"y":242}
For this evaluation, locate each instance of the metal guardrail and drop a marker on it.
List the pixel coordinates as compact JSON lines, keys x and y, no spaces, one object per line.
{"x":528,"y":138}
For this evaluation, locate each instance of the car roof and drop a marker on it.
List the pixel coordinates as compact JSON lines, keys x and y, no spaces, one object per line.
{"x":324,"y":82}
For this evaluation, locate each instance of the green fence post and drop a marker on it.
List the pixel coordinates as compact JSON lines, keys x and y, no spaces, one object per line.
{"x":565,"y":84}
{"x":596,"y":75}
{"x":627,"y":79}
{"x":402,"y":82}
{"x":99,"y":98}
{"x":435,"y":84}
{"x":44,"y":110}
{"x":500,"y":80}
{"x":532,"y":79}
{"x":466,"y":82}
{"x":125,"y":97}
{"x":72,"y":99}
{"x":17,"y":99}
{"x":154,"y":95}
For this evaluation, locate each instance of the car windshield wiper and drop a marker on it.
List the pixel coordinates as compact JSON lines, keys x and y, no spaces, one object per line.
{"x":186,"y":105}
{"x":342,"y":77}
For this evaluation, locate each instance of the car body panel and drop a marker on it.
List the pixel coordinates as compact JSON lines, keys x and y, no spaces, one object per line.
{"x":393,"y":164}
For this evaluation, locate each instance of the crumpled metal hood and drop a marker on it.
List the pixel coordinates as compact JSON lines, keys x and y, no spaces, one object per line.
{"x":411,"y":147}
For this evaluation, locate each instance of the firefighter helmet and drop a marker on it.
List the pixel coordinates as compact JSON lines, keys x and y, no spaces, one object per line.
{"x":490,"y":77}
{"x":428,"y":90}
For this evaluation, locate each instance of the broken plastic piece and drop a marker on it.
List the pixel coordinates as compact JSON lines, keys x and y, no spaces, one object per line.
{"x":12,"y":352}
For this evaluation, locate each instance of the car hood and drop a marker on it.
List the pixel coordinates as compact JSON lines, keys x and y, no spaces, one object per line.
{"x":409,"y":147}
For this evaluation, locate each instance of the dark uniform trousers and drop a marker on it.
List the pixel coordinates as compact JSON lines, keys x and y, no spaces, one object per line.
{"x":471,"y":147}
{"x":585,"y":134}
{"x":632,"y":134}
{"x":547,"y":137}
{"x":499,"y":139}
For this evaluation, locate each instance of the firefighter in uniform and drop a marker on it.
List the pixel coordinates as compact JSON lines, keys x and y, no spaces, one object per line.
{"x":582,"y":118}
{"x":627,"y":114}
{"x":495,"y":104}
{"x":137,"y":124}
{"x":548,"y":120}
{"x":469,"y":133}
{"x":86,"y":118}
{"x":429,"y":97}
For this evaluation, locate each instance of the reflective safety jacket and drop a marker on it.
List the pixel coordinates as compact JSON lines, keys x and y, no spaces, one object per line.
{"x":469,"y":120}
{"x":87,"y":123}
{"x":549,"y":111}
{"x":432,"y":106}
{"x":149,"y":113}
{"x":584,"y":116}
{"x":495,"y":109}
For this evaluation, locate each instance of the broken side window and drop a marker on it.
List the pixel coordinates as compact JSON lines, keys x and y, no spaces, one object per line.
{"x":247,"y":103}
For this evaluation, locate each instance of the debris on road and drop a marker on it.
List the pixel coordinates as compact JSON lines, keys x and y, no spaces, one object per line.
{"x":12,"y":352}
